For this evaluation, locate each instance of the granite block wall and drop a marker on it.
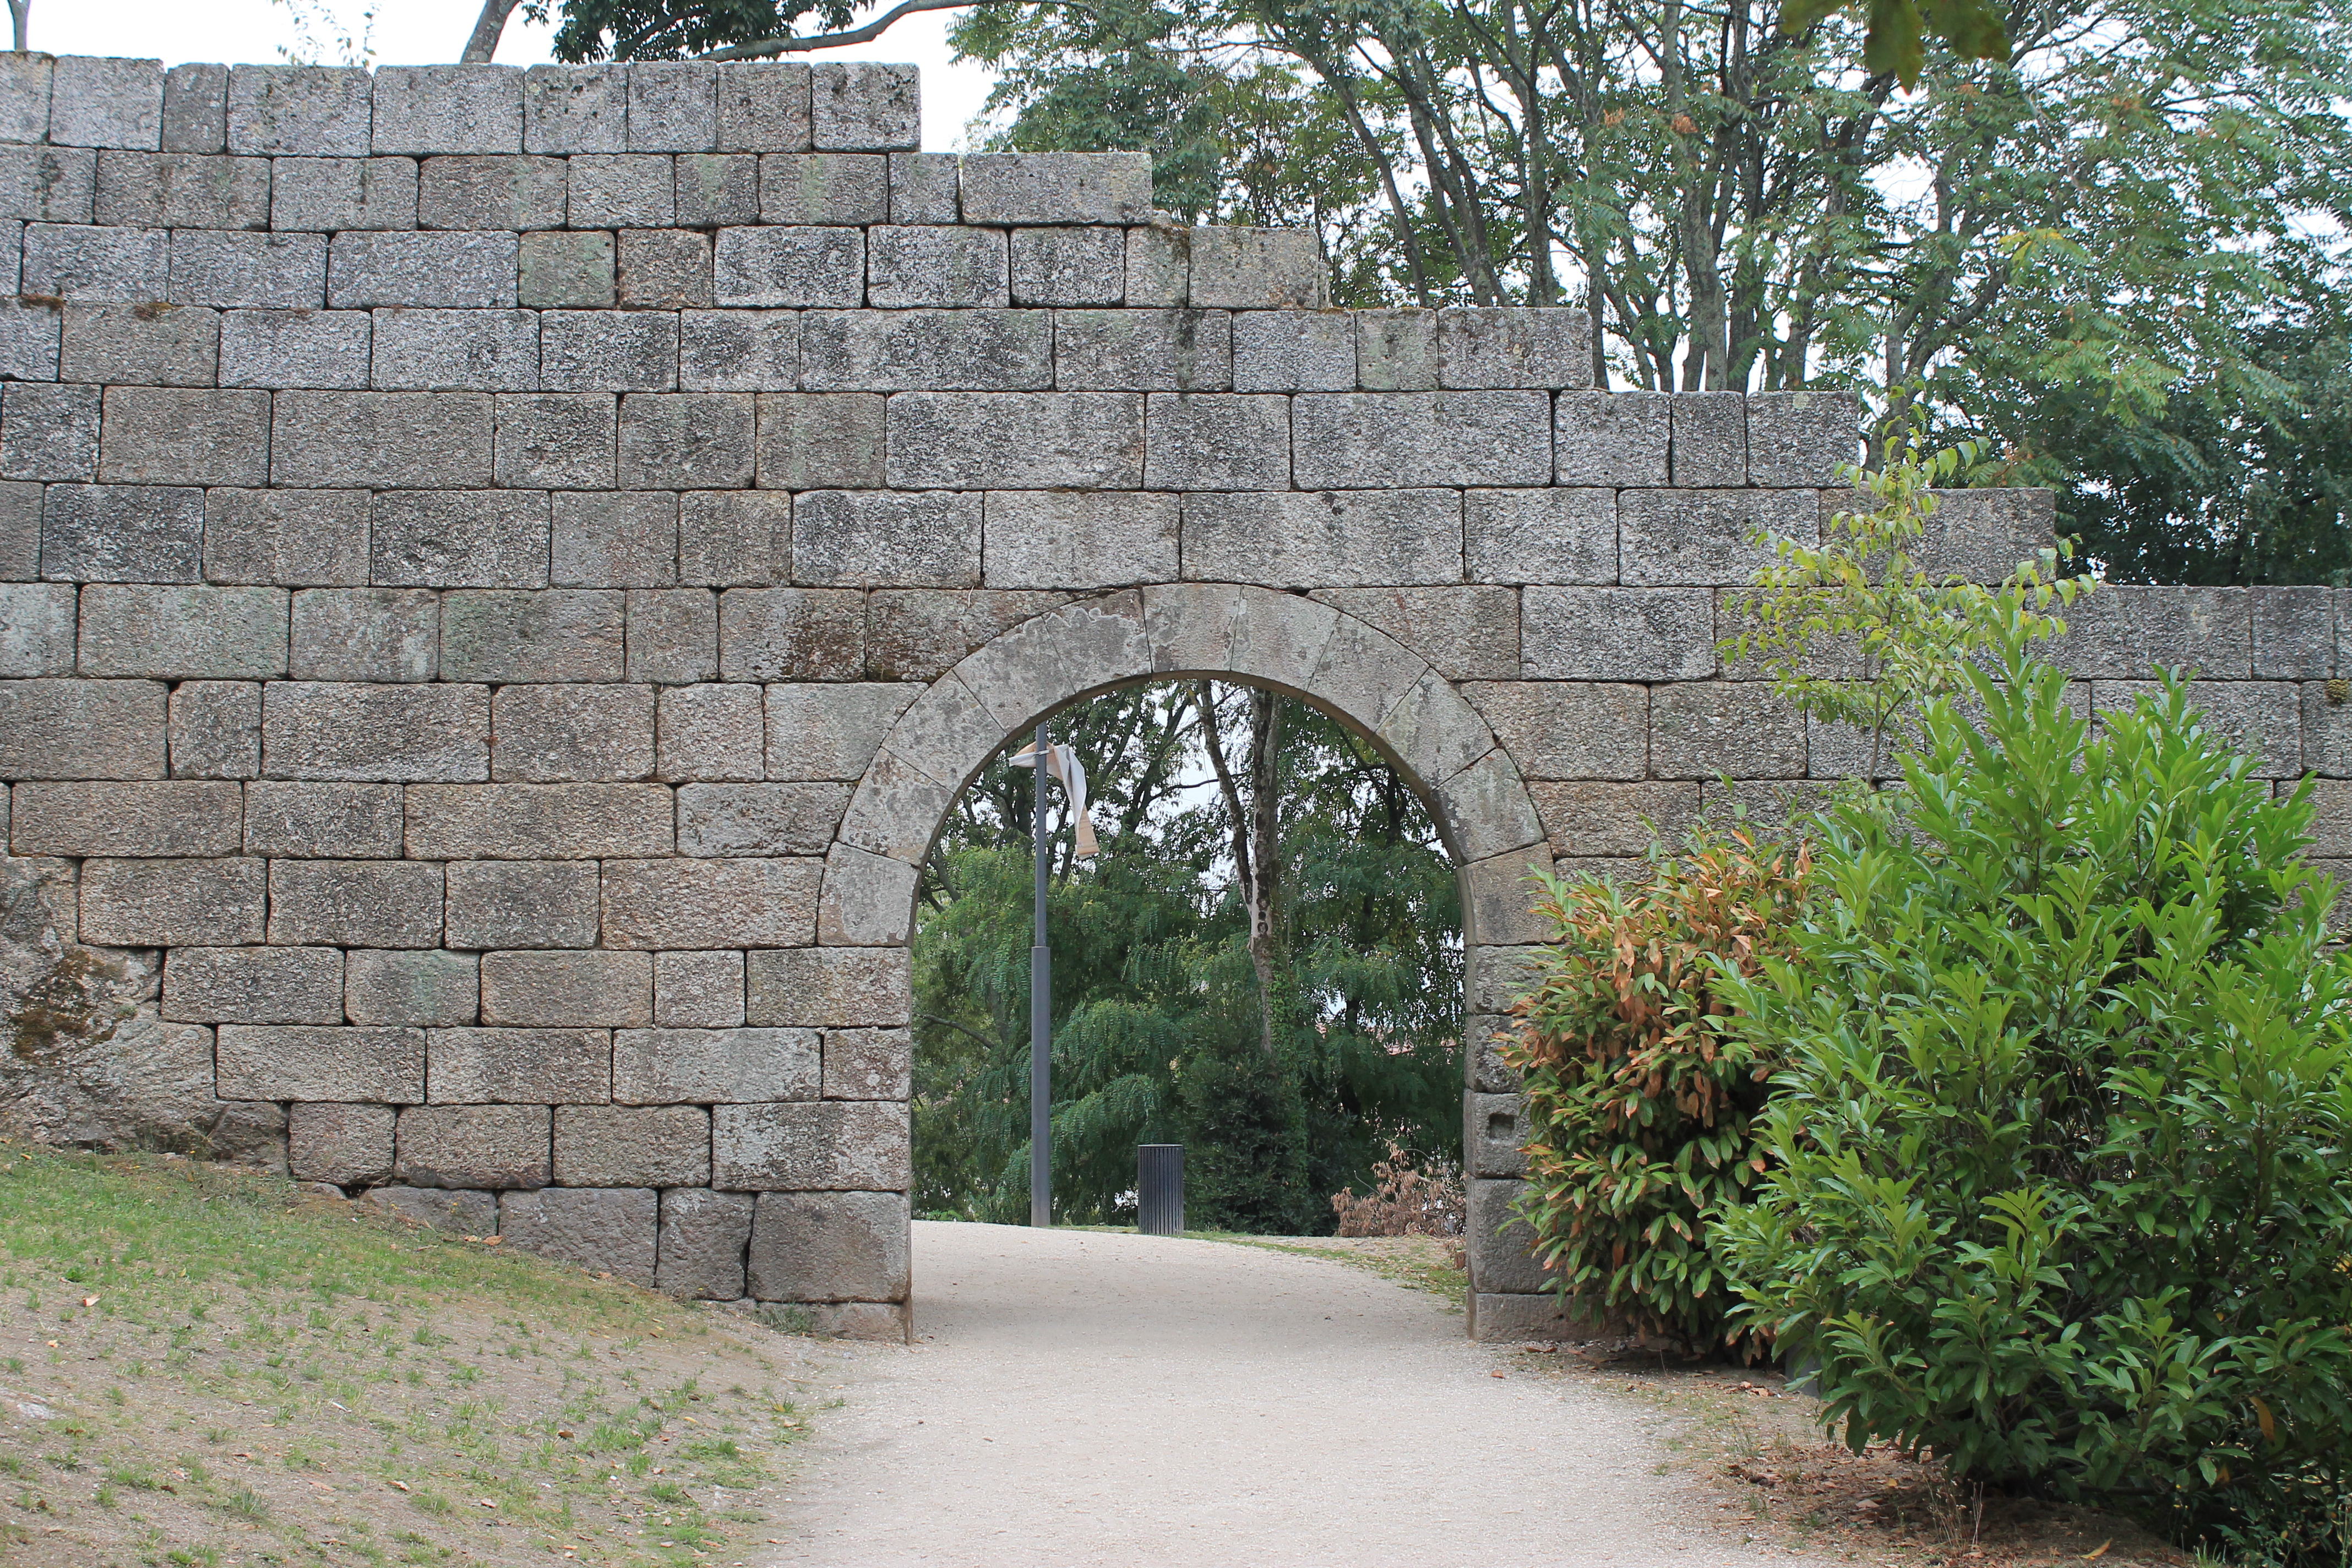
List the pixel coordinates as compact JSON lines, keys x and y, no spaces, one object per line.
{"x":503,"y":571}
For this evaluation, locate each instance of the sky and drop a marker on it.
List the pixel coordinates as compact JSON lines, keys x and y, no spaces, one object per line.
{"x":428,"y":32}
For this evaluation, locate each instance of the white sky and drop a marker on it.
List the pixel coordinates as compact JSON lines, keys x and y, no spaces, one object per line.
{"x":426,"y":32}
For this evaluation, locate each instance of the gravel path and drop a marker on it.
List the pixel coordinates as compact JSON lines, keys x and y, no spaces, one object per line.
{"x":1080,"y":1398}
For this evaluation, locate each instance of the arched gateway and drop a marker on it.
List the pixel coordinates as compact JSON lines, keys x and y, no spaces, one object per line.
{"x":502,"y":573}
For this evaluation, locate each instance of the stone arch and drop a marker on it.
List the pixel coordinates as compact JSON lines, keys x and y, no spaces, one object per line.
{"x":1289,"y":642}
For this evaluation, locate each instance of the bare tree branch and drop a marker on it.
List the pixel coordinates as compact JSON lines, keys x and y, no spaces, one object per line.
{"x":20,"y":12}
{"x":488,"y":29}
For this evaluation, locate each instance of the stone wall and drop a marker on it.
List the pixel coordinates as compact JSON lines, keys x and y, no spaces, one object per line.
{"x":502,"y":573}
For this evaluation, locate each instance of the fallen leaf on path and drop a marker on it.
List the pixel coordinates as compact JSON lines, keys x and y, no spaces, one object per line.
{"x":2098,"y":1551}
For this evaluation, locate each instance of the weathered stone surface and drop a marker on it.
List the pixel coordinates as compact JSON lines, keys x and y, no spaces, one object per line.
{"x":1396,"y":351}
{"x":2293,"y":633}
{"x":427,"y":989}
{"x":81,"y":729}
{"x":1056,"y":188}
{"x":920,"y":633}
{"x":317,"y":730}
{"x":793,"y":269}
{"x":571,"y":734}
{"x":2124,"y":632}
{"x":830,"y":1246}
{"x":1258,"y":269}
{"x":936,"y":266}
{"x":47,"y":184}
{"x":609,"y":1230}
{"x":1197,"y":442}
{"x":182,"y":190}
{"x":36,"y":629}
{"x":1980,"y":534}
{"x":673,"y":1066}
{"x":449,"y":109}
{"x":1491,"y":1133}
{"x":97,"y":101}
{"x":447,"y":351}
{"x":935,"y":350}
{"x":174,"y":633}
{"x":1288,"y":351}
{"x":1016,"y":441}
{"x":469,"y":271}
{"x":829,"y":731}
{"x":297,"y":349}
{"x":710,"y":730}
{"x":1077,"y":539}
{"x":1503,"y":1319}
{"x":697,"y":991}
{"x":673,"y":106}
{"x":356,"y":903}
{"x":1682,"y":536}
{"x":1160,"y":270}
{"x":459,"y":539}
{"x":728,"y":538}
{"x":718,"y":189}
{"x":703,"y":1236}
{"x":1485,"y":809}
{"x":537,"y":822}
{"x":73,"y":262}
{"x":1553,"y":536}
{"x":851,"y":188}
{"x":527,"y":1067}
{"x":260,"y":1062}
{"x":576,"y":109}
{"x":1465,"y":633}
{"x":365,"y":633}
{"x":1376,"y":440}
{"x":864,"y":107}
{"x":602,"y":539}
{"x":1077,"y":265}
{"x":322,"y":821}
{"x":867,"y":901}
{"x":923,"y":187}
{"x":565,"y":271}
{"x":133,"y":819}
{"x":1078,"y":647}
{"x":1148,"y":351}
{"x":686,"y":440}
{"x":554,"y":635}
{"x":1323,"y":539}
{"x":1802,"y":438}
{"x":311,"y":111}
{"x":277,"y":271}
{"x":791,"y":633}
{"x":664,"y":269}
{"x":459,"y":1210}
{"x":473,"y":1146}
{"x":632,"y":1146}
{"x":881,"y":539}
{"x":292,"y":537}
{"x":350,"y":1145}
{"x":828,"y":987}
{"x":173,"y":903}
{"x":567,"y":989}
{"x":673,"y":634}
{"x":826,"y":1145}
{"x":330,"y":194}
{"x":184,"y":436}
{"x":20,"y":531}
{"x":1702,"y":729}
{"x":521,"y":903}
{"x":709,"y":903}
{"x":1709,"y":439}
{"x":739,"y":351}
{"x":735,"y":819}
{"x":1590,"y":818}
{"x":49,"y":433}
{"x":380,"y":439}
{"x":115,"y":344}
{"x":215,"y":730}
{"x":868,"y":1064}
{"x":28,"y":340}
{"x":196,"y":109}
{"x":763,"y":106}
{"x":1512,"y":346}
{"x":254,"y":985}
{"x":558,"y":441}
{"x":1498,"y":1241}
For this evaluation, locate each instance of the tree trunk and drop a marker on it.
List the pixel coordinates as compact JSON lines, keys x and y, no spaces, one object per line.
{"x":1266,"y":851}
{"x":488,"y":29}
{"x":20,"y":12}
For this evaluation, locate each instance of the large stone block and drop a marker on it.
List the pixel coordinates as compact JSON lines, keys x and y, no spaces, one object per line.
{"x":829,"y":1145}
{"x":920,"y":633}
{"x":869,"y":901}
{"x":295,"y":348}
{"x":1709,"y":439}
{"x":829,"y":987}
{"x":1590,"y":819}
{"x":1619,"y":633}
{"x":1160,"y":268}
{"x":739,"y":351}
{"x":607,"y":540}
{"x":196,"y":109}
{"x":1148,"y":351}
{"x":459,"y":539}
{"x":322,"y":821}
{"x":456,"y":351}
{"x":830,"y":1246}
{"x":1258,"y":269}
{"x":154,"y":819}
{"x":557,"y":734}
{"x":879,"y":539}
{"x":537,"y":822}
{"x":349,"y":1145}
{"x":1484,"y":810}
{"x":711,"y":730}
{"x":718,"y":189}
{"x":525,"y":1067}
{"x":173,"y":903}
{"x":942,"y":266}
{"x":420,"y":989}
{"x":703,"y":1236}
{"x":737,"y":819}
{"x":36,"y":629}
{"x":829,"y":731}
{"x":1078,"y":538}
{"x":576,"y":109}
{"x":2293,"y":633}
{"x":678,"y":1066}
{"x":2126,"y":632}
{"x":449,"y":109}
{"x":271,"y":271}
{"x":557,"y":441}
{"x":365,"y":633}
{"x":82,"y":729}
{"x":254,"y":985}
{"x":184,"y":436}
{"x":320,"y":729}
{"x":1498,"y":899}
{"x":1088,"y":440}
{"x":923,"y":187}
{"x":456,"y":270}
{"x":564,"y":271}
{"x":1466,"y":633}
{"x":934,"y":351}
{"x":1309,"y":539}
{"x":1078,"y":647}
{"x":1488,"y":347}
{"x":1717,"y":537}
{"x":820,"y":441}
{"x":48,"y":185}
{"x":868,"y":1064}
{"x":303,"y":111}
{"x":1502,"y":1318}
{"x":632,"y":1146}
{"x":1290,"y":350}
{"x":1700,"y":730}
{"x":568,"y":989}
{"x":1492,"y":1134}
{"x":1056,"y":188}
{"x":606,"y":351}
{"x":1802,"y":438}
{"x":673,"y":634}
{"x":1553,"y":536}
{"x":614,"y":190}
{"x":28,"y":342}
{"x":1079,"y":266}
{"x":711,"y":903}
{"x":763,"y":106}
{"x":1396,"y":351}
{"x":864,"y":107}
{"x":172,"y":633}
{"x":356,"y":903}
{"x":48,"y":432}
{"x":330,"y":194}
{"x":673,"y":106}
{"x":73,"y":262}
{"x":100,"y":101}
{"x":1375,"y":440}
{"x":215,"y":730}
{"x":117,"y":344}
{"x":459,"y":1210}
{"x":552,"y":635}
{"x":823,"y":188}
{"x":473,"y":1146}
{"x":791,"y":633}
{"x":697,"y":991}
{"x":728,"y":538}
{"x":1498,"y":1242}
{"x":686,"y":440}
{"x":337,"y":440}
{"x":1980,"y":534}
{"x":182,"y":190}
{"x":262,"y":1062}
{"x":664,"y":269}
{"x":521,"y":903}
{"x":792,"y":268}
{"x":1199,"y":442}
{"x":20,"y":531}
{"x":611,"y":1231}
{"x":291,"y":538}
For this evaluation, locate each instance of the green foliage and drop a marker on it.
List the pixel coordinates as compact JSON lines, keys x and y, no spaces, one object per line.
{"x":1858,"y":630}
{"x":672,"y":30}
{"x":1638,"y":1105}
{"x":2062,"y":1193}
{"x":1159,"y":1033}
{"x":1897,"y":42}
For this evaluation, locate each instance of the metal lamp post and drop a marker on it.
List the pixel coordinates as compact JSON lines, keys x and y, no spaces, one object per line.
{"x":1041,"y":1026}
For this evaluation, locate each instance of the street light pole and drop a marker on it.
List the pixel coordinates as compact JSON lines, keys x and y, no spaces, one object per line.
{"x":1041,"y":1025}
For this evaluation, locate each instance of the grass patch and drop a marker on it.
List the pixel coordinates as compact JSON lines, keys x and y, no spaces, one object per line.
{"x":204,"y":1367}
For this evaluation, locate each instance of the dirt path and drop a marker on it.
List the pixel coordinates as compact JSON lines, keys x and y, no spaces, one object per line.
{"x":1080,"y":1398}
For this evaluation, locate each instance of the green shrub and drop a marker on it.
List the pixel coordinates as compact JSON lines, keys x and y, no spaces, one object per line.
{"x":2062,"y":1194}
{"x":1638,"y":1107}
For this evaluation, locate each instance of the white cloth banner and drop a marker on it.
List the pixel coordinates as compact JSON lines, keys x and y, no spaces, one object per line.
{"x":1064,"y":764}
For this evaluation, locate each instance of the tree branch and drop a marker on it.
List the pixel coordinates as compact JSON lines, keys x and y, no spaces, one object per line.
{"x":488,"y":29}
{"x":766,"y":48}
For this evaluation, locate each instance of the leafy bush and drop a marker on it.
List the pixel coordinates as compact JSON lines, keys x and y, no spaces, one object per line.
{"x":2061,"y":1192}
{"x":1638,"y":1106}
{"x":1409,"y":1196}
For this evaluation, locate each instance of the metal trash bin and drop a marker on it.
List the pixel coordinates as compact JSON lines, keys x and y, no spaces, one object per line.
{"x":1159,"y":1187}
